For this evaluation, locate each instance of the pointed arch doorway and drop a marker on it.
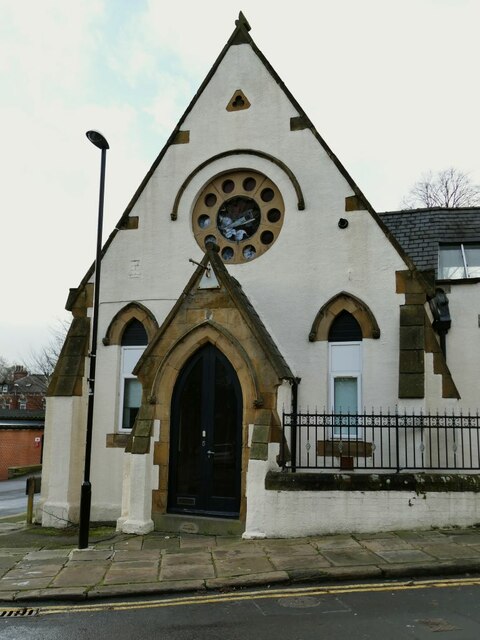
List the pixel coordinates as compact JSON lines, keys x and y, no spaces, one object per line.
{"x":206,"y":437}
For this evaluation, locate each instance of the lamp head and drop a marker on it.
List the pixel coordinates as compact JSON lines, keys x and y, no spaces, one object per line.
{"x":97,"y":139}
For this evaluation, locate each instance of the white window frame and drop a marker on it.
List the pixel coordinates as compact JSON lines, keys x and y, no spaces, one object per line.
{"x":334,"y":372}
{"x":126,"y":374}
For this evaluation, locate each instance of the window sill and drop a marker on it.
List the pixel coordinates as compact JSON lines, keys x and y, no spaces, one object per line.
{"x":458,"y":281}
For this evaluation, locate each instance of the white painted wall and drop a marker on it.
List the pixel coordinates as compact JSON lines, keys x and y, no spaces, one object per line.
{"x":288,"y":514}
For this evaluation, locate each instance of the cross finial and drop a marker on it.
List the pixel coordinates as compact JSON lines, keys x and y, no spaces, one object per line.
{"x":242,"y":22}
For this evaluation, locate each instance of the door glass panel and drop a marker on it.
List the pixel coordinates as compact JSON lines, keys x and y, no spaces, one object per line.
{"x":225,"y":425}
{"x":189,"y":458}
{"x":345,"y":394}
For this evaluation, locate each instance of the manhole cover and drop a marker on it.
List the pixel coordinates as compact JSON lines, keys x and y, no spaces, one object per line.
{"x":302,"y":602}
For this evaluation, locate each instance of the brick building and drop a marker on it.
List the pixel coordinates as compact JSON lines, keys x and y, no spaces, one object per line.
{"x":22,"y":417}
{"x":21,"y":439}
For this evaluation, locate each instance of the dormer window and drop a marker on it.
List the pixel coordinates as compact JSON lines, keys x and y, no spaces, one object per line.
{"x":458,"y":261}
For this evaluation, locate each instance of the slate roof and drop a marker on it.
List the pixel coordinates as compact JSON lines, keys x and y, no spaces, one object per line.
{"x":33,"y":383}
{"x":419,"y":231}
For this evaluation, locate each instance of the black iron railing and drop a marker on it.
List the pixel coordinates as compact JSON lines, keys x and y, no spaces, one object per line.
{"x":376,"y":441}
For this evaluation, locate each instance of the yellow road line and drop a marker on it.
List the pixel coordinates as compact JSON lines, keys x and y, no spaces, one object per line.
{"x":262,"y":595}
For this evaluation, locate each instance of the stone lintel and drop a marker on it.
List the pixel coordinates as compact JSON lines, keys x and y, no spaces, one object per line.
{"x":129,"y":223}
{"x":299,"y":123}
{"x":181,"y":137}
{"x":354,"y":203}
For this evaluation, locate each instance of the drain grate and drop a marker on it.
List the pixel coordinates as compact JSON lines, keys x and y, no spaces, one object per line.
{"x":15,"y":613}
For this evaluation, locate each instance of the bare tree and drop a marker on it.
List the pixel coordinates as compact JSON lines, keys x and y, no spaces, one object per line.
{"x":5,"y":370}
{"x":448,"y":188}
{"x":44,"y":359}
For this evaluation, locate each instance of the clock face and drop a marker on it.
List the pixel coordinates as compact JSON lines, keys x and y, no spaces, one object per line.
{"x":242,"y":212}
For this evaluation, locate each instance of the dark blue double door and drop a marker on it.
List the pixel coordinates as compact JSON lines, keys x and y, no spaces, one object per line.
{"x":206,"y":437}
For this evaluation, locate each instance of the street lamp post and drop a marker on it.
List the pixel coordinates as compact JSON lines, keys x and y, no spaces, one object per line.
{"x":99,"y":141}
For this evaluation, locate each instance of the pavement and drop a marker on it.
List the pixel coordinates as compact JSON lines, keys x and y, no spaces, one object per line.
{"x":39,"y":564}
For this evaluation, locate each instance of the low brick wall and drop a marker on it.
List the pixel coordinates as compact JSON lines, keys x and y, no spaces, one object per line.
{"x":19,"y":448}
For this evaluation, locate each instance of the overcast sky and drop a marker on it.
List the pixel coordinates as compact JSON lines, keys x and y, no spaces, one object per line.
{"x":393,"y":87}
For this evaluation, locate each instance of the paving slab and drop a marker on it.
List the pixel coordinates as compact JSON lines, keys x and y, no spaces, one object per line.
{"x":386,"y":544}
{"x":237,"y":552}
{"x":23,"y":584}
{"x":409,"y":556}
{"x":375,"y":535}
{"x":298,"y":549}
{"x":287,"y":563}
{"x":135,"y":542}
{"x":139,"y":554}
{"x":33,"y":570}
{"x":242,"y":566}
{"x":192,"y":541}
{"x":84,"y":574}
{"x":202,"y":558}
{"x":234,"y":541}
{"x":465,"y":538}
{"x":47,"y":554}
{"x":448,"y":551}
{"x":350,"y":557}
{"x":187,"y":572}
{"x":7,"y":552}
{"x":125,"y":572}
{"x":421,"y":537}
{"x":6,"y":564}
{"x":91,"y":555}
{"x":335,"y":542}
{"x":165,"y":544}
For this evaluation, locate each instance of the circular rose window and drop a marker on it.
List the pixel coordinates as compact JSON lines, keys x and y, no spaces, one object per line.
{"x":242,"y":212}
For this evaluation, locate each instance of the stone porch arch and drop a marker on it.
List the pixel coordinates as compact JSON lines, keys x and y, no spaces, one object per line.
{"x":159,"y":382}
{"x":344,"y":302}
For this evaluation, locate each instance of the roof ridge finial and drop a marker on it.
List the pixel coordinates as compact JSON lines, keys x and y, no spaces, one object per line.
{"x":242,"y":22}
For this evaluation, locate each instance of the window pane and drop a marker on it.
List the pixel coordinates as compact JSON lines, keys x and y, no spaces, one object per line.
{"x":132,"y":399}
{"x":450,"y":262}
{"x":345,"y":396}
{"x":472,"y":256}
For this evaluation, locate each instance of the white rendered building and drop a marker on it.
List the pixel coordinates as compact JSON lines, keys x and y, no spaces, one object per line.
{"x":250,"y":278}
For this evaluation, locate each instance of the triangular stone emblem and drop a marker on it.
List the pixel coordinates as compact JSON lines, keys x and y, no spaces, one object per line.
{"x":209,"y":279}
{"x":238,"y":101}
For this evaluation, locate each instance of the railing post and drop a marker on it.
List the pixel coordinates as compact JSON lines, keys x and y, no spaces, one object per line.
{"x":397,"y":440}
{"x":293,"y":441}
